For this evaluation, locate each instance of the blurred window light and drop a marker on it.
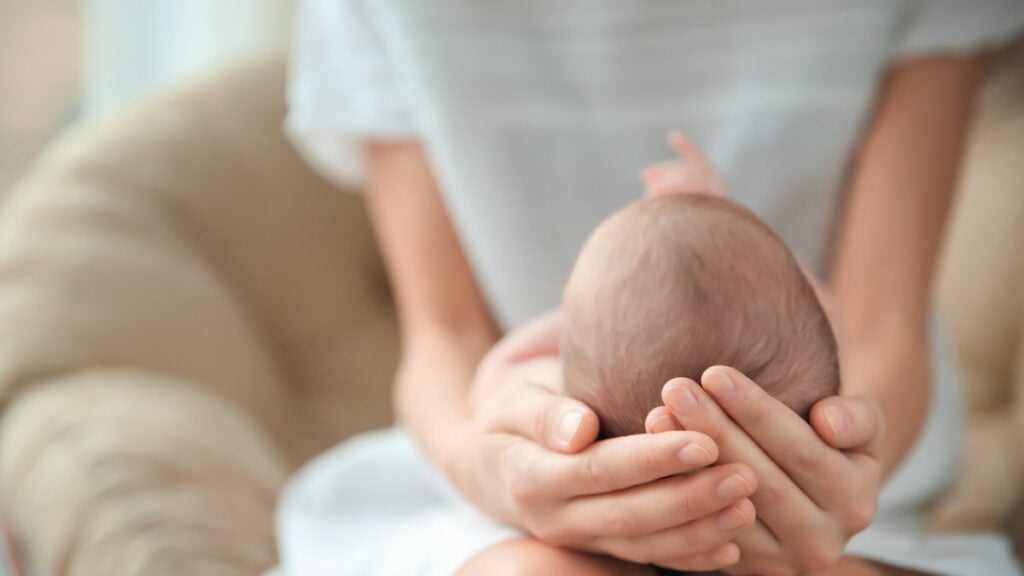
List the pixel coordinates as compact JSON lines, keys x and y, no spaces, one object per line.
{"x":135,"y":47}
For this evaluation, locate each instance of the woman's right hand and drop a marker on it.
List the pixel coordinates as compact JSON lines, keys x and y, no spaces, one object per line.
{"x":529,"y":458}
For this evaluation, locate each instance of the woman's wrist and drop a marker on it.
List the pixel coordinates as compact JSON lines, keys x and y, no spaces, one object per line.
{"x":448,"y":447}
{"x":439,"y":434}
{"x":893,"y":370}
{"x":431,"y":389}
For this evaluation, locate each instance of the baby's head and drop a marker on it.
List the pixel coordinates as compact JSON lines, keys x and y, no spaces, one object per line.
{"x":673,"y":285}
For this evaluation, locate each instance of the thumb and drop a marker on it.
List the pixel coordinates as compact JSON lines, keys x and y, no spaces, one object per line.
{"x":533,"y":411}
{"x":849,"y":423}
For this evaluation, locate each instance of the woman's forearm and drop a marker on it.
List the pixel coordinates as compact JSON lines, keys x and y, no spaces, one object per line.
{"x":446,"y":325}
{"x":431,"y":390}
{"x":894,"y":370}
{"x":890,"y":236}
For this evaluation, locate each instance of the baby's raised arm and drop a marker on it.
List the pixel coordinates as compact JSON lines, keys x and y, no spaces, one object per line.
{"x":691,"y":172}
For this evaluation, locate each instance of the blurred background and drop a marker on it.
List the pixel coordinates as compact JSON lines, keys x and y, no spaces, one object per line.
{"x":65,"y":59}
{"x":187,"y":271}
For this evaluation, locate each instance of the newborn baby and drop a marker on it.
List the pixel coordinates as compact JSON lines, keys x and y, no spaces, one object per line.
{"x":672,"y":285}
{"x":667,"y":287}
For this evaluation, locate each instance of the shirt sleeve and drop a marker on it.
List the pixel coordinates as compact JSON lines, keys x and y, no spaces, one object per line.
{"x":957,"y":26}
{"x":343,"y":88}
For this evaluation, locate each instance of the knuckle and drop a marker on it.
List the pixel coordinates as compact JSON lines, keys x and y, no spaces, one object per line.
{"x":860,"y":515}
{"x":552,"y":533}
{"x":858,"y":511}
{"x":821,"y":554}
{"x":623,"y":549}
{"x":488,"y":417}
{"x":685,"y":504}
{"x":773,"y":493}
{"x":716,"y":431}
{"x":650,"y":460}
{"x":806,"y":457}
{"x":621,"y":521}
{"x":757,"y":413}
{"x":594,"y":474}
{"x":540,"y":425}
{"x":525,"y":493}
{"x":713,"y":428}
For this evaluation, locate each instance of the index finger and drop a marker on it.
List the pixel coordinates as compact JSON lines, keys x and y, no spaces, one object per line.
{"x":626,"y":461}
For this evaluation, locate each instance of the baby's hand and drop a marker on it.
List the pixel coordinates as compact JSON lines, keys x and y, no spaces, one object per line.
{"x":691,"y":173}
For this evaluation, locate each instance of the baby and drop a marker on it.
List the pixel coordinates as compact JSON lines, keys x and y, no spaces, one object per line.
{"x":672,"y":285}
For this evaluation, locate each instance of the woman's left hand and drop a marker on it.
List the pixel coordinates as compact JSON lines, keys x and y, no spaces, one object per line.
{"x":818,"y":483}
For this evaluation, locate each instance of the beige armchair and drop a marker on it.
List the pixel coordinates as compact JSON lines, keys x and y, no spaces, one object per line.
{"x":187,"y":313}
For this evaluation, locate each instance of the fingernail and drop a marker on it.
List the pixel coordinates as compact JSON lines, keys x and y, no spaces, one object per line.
{"x":835,"y":419}
{"x":694,"y":455}
{"x":681,"y":400}
{"x":569,"y":425}
{"x":662,"y":424}
{"x":721,"y":385}
{"x":734,"y":487}
{"x":731,"y":519}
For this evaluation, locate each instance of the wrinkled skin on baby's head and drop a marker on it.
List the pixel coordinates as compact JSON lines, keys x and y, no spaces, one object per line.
{"x":669,"y":287}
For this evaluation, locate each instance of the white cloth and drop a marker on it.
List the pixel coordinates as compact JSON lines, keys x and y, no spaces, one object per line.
{"x":333,"y":520}
{"x":537,"y":117}
{"x":375,"y":505}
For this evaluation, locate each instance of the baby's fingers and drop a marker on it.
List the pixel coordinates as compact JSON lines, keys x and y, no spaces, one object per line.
{"x":698,"y":164}
{"x":686,"y":150}
{"x":673,"y":178}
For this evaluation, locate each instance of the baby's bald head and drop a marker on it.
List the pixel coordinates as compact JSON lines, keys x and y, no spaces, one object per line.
{"x":671,"y":286}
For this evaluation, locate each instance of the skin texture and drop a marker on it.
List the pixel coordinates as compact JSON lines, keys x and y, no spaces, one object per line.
{"x":529,"y":459}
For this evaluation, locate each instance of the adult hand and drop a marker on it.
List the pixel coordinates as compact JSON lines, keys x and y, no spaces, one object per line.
{"x":818,"y":483}
{"x":530,"y":459}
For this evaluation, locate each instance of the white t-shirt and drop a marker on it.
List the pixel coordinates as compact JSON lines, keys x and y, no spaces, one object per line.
{"x":538,"y":116}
